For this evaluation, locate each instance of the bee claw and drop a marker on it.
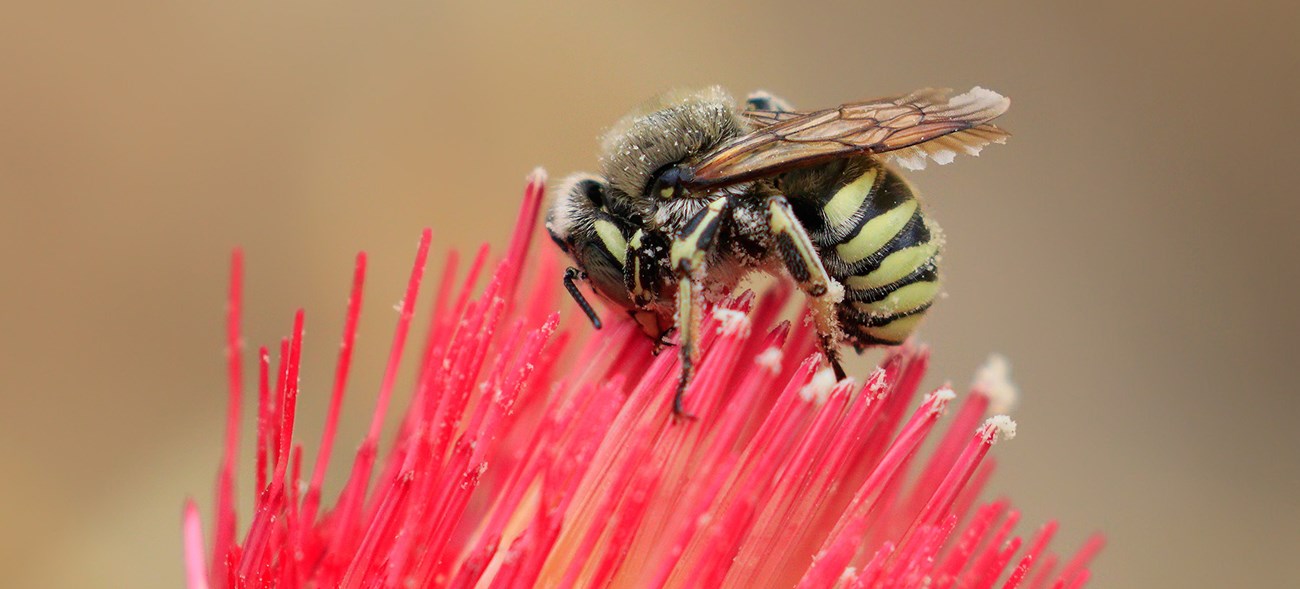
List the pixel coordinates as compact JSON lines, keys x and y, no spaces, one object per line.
{"x":839,"y":370}
{"x":679,"y":408}
{"x":679,"y":411}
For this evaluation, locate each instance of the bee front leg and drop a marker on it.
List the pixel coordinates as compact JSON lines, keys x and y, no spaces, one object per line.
{"x":644,"y":273}
{"x":645,"y":277}
{"x":805,"y":266}
{"x":687,"y":257}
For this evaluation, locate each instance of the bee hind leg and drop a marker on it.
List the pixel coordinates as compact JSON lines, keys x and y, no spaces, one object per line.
{"x":805,"y":266}
{"x":687,"y":256}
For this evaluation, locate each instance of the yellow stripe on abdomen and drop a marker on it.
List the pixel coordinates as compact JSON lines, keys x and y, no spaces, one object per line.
{"x":848,"y":200}
{"x":904,"y":300}
{"x":895,"y":267}
{"x":876,"y":233}
{"x":896,"y":330}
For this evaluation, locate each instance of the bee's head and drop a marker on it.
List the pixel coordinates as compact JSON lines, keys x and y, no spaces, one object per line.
{"x":581,"y":223}
{"x":646,"y":151}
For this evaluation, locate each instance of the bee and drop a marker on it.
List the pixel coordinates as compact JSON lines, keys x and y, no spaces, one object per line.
{"x":696,"y":191}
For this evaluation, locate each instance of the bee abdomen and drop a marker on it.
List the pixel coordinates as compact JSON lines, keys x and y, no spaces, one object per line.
{"x":885,"y":253}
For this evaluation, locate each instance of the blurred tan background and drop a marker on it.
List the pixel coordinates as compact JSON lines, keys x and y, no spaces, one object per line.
{"x":1133,"y":249}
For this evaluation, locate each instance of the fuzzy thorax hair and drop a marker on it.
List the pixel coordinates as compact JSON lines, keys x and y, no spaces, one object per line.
{"x":673,"y":127}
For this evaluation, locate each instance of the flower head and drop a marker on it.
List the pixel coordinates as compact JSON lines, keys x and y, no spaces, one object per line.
{"x":535,"y":452}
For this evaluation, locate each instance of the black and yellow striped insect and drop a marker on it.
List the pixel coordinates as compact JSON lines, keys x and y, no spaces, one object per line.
{"x":696,"y":191}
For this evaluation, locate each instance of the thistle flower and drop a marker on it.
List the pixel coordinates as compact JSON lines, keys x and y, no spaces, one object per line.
{"x":534,"y":453}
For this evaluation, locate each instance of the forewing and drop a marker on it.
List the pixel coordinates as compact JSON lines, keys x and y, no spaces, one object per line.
{"x":875,"y":126}
{"x":767,"y":118}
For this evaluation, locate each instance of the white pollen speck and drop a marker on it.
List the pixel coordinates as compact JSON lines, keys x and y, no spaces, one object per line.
{"x":771,"y":359}
{"x":849,"y":574}
{"x":940,"y":399}
{"x":999,"y":426}
{"x":835,"y":291}
{"x":819,"y":388}
{"x":731,"y":321}
{"x":878,"y":385}
{"x":993,"y":380}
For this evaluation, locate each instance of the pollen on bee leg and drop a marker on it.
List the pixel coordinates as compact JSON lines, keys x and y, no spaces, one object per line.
{"x":834,"y":291}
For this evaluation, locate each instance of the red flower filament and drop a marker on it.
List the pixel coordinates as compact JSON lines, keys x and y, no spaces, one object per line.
{"x":536,"y":455}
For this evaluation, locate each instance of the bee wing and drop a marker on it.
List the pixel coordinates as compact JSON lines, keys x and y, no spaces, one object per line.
{"x":923,"y":124}
{"x":767,"y":118}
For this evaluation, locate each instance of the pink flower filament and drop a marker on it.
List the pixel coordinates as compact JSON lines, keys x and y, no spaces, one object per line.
{"x":537,"y":452}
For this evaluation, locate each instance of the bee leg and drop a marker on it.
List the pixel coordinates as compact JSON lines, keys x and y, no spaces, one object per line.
{"x":652,"y":326}
{"x":687,"y":260}
{"x":805,"y":266}
{"x":642,"y":273}
{"x":664,"y":342}
{"x":645,"y":278}
{"x":690,"y":303}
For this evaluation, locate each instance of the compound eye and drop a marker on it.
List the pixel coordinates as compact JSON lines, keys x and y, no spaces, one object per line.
{"x":667,"y":182}
{"x":593,"y":191}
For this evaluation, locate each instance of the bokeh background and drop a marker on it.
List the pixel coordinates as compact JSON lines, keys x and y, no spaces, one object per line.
{"x":1133,"y":249}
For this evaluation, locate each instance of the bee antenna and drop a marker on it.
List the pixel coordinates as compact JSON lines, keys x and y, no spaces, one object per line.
{"x":569,"y":276}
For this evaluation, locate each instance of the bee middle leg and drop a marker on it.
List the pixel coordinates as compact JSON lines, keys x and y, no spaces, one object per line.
{"x":805,"y":266}
{"x":687,"y":256}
